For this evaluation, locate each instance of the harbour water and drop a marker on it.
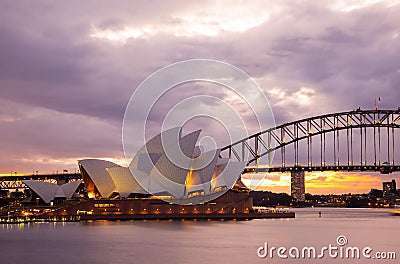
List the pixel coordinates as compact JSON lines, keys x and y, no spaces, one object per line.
{"x":201,"y":241}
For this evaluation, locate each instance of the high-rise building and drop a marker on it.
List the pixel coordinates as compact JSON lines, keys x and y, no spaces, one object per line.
{"x":297,"y":186}
{"x":389,"y":187}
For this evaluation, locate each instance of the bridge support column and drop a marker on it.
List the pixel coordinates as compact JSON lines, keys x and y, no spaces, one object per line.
{"x":297,"y":185}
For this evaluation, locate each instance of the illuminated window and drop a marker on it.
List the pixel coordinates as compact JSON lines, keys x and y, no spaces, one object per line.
{"x":105,"y":205}
{"x":198,"y":193}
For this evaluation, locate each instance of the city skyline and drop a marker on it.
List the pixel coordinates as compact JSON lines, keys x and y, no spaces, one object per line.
{"x":327,"y":182}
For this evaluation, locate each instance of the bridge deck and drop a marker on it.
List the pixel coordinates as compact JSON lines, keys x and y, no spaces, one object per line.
{"x":20,"y":177}
{"x":348,"y":168}
{"x":14,"y":182}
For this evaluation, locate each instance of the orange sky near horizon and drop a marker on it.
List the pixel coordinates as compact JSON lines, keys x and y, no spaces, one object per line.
{"x":321,"y":182}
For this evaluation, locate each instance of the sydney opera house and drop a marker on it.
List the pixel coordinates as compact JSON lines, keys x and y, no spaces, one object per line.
{"x":168,"y":166}
{"x":169,"y":175}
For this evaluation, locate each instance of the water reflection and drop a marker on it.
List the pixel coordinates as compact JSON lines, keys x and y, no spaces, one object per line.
{"x":196,"y":241}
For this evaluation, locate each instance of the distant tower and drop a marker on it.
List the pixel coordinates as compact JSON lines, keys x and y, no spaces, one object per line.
{"x":297,"y":187}
{"x":389,"y":188}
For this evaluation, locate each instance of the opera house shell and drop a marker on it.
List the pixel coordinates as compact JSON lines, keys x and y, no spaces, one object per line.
{"x":48,"y":192}
{"x":177,"y":173}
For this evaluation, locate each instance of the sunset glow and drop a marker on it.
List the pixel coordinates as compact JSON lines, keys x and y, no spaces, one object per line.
{"x":319,"y":182}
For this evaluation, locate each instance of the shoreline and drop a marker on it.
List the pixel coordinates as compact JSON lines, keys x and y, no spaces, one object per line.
{"x":127,"y":217}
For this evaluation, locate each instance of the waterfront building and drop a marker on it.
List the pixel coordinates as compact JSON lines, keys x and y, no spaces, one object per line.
{"x":297,"y":186}
{"x":389,"y":188}
{"x":196,"y":178}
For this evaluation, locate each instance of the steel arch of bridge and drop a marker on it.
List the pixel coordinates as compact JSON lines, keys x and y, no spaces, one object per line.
{"x":354,"y":123}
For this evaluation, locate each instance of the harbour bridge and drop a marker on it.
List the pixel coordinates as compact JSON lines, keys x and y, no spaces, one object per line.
{"x":358,"y":140}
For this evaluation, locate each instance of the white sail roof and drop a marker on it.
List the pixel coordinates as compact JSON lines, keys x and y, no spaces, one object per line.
{"x":48,"y":191}
{"x":169,"y":169}
{"x":229,"y":174}
{"x":70,"y":188}
{"x":45,"y":190}
{"x":96,"y":169}
{"x":154,"y":146}
{"x":124,"y":182}
{"x":148,"y":183}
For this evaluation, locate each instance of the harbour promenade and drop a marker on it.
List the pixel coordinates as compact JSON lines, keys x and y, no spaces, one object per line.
{"x":127,"y":217}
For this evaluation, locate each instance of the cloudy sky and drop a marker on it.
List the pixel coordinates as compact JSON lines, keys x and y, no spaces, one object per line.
{"x":69,"y":68}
